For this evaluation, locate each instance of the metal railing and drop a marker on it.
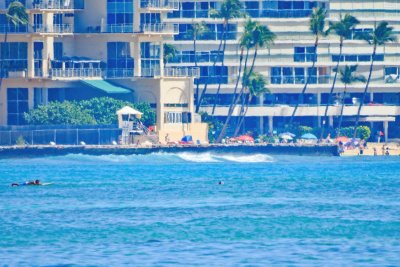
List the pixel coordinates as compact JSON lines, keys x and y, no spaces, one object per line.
{"x":118,"y":73}
{"x":56,"y":28}
{"x":100,"y":136}
{"x":160,"y":4}
{"x":118,"y":28}
{"x":160,"y":28}
{"x":182,"y":72}
{"x":65,"y":4}
{"x":150,"y":72}
{"x":76,"y":73}
{"x":10,"y":29}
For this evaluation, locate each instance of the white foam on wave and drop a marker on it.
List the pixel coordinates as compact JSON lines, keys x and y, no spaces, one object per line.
{"x":162,"y":157}
{"x":197,"y":157}
{"x":256,"y":158}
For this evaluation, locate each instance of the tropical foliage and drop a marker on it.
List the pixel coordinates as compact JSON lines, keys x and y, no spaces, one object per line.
{"x":381,"y":35}
{"x":94,"y":111}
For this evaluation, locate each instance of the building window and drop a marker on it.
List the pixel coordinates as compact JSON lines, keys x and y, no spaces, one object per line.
{"x":15,"y":57}
{"x":290,"y":75}
{"x":17,"y":105}
{"x":288,"y":9}
{"x":120,"y":15}
{"x":304,"y":54}
{"x":214,"y":32}
{"x":173,"y":117}
{"x":150,"y":59}
{"x":213,"y":75}
{"x":58,"y":50}
{"x":119,"y":61}
{"x":357,"y":58}
{"x":39,"y":97}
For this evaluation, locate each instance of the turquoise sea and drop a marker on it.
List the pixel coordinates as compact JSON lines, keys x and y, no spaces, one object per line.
{"x":169,"y":210}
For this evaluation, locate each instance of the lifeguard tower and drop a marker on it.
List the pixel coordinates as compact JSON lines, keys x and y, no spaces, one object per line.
{"x":129,"y":122}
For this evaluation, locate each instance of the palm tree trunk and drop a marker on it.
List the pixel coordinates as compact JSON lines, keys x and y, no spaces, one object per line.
{"x":203,"y":92}
{"x":341,"y":112}
{"x":371,"y":68}
{"x":242,"y":117}
{"x":222,"y":65}
{"x":235,"y":101}
{"x":195,"y":64}
{"x":307,"y":81}
{"x":332,"y":88}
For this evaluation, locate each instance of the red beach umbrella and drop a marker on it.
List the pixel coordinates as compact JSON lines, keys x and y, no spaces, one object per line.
{"x":245,"y":138}
{"x":342,"y":139}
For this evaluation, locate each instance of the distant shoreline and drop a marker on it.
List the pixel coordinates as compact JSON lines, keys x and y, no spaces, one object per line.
{"x":61,"y":150}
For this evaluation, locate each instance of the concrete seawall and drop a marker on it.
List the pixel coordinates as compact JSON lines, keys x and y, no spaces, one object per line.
{"x":43,"y":151}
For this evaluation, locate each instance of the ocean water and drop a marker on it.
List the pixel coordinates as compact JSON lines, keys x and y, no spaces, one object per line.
{"x":169,"y":210}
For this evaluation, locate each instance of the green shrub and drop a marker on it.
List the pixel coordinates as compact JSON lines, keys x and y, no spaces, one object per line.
{"x":93,"y":111}
{"x":20,"y":141}
{"x":363,"y":132}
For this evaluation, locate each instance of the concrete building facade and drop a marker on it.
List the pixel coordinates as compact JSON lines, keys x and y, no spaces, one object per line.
{"x":287,"y":63}
{"x":70,"y":46}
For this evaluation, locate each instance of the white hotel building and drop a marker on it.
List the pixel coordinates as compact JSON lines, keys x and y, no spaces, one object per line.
{"x":86,"y":48}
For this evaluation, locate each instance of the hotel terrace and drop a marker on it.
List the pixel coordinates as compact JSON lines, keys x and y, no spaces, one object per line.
{"x":81,"y":49}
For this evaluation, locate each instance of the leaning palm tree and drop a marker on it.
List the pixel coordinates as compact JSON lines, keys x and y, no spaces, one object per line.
{"x":347,"y":77}
{"x":230,"y":9}
{"x":381,"y":35}
{"x":256,"y":86}
{"x":245,"y":43}
{"x":197,"y":31}
{"x":317,"y":26}
{"x":16,"y":15}
{"x":344,"y":29}
{"x":255,"y":36}
{"x":169,"y":53}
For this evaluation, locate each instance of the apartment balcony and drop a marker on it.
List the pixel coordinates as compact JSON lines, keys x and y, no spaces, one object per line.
{"x":159,"y":5}
{"x":372,"y":110}
{"x":159,"y":28}
{"x":58,"y":5}
{"x":54,"y":29}
{"x":118,"y":73}
{"x":90,"y":73}
{"x":182,"y":72}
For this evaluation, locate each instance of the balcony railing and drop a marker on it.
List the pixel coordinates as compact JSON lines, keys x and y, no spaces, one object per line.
{"x":118,"y":28}
{"x":66,"y":4}
{"x":76,"y":73}
{"x":150,"y":72}
{"x":160,"y":4}
{"x":56,"y":28}
{"x":160,"y":28}
{"x":118,"y":73}
{"x":182,"y":72}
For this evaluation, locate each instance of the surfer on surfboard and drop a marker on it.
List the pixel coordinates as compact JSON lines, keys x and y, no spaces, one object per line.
{"x":35,"y":182}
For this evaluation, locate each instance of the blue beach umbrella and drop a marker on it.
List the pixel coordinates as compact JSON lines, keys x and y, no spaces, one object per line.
{"x":309,"y":136}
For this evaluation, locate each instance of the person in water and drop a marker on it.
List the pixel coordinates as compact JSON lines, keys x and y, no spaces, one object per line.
{"x":36,"y":182}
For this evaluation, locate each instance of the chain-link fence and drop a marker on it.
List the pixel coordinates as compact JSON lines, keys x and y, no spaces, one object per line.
{"x":99,"y":136}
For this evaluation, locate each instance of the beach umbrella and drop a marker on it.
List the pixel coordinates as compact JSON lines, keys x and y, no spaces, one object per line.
{"x":309,"y":136}
{"x":343,"y":139}
{"x":287,"y":133}
{"x":286,"y":137}
{"x":245,"y":138}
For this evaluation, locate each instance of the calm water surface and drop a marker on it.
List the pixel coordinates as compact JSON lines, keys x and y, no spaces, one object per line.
{"x":168,"y":210}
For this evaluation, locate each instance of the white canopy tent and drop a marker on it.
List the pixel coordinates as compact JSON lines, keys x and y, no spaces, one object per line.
{"x":125,"y":114}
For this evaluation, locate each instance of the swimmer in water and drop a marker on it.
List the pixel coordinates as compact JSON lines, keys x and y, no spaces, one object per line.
{"x":220,"y":182}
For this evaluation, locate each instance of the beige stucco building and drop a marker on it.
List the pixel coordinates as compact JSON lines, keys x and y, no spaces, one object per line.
{"x":82,"y":49}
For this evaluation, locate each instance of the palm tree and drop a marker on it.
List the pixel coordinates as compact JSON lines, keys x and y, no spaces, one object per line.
{"x":246,"y":42}
{"x":347,"y":77}
{"x":255,"y":36}
{"x":381,"y":35}
{"x":255,"y":87}
{"x":170,"y":52}
{"x":197,"y":31}
{"x":16,"y":15}
{"x":317,"y":25}
{"x":230,"y":9}
{"x":344,"y":29}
